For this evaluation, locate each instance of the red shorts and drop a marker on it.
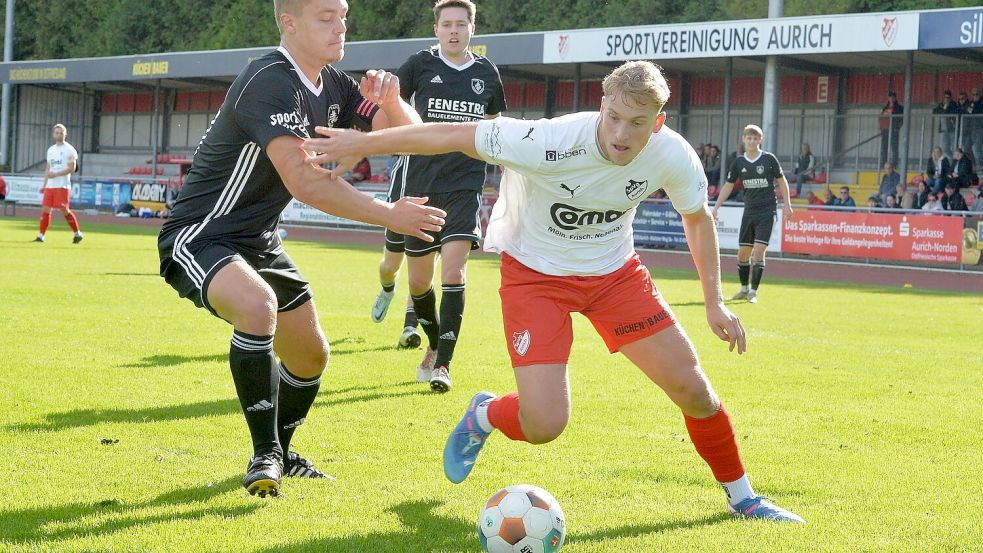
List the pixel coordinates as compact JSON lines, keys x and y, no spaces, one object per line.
{"x":623,"y":306}
{"x":56,"y":198}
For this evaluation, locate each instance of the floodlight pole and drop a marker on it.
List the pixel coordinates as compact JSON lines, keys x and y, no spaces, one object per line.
{"x":8,"y":55}
{"x":769,"y":115}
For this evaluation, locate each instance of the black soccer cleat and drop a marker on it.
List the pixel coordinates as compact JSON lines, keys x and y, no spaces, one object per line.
{"x":296,"y":466}
{"x":76,"y":239}
{"x":263,"y":475}
{"x":39,"y":239}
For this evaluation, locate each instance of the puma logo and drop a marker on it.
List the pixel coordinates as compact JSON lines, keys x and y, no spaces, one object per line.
{"x":568,"y":189}
{"x":529,"y":134}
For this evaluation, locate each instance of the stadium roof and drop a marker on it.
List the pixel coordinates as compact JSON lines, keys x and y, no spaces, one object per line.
{"x":951,"y":38}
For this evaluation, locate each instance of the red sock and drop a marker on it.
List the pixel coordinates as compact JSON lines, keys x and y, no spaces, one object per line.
{"x":503,"y":414}
{"x":715,"y":442}
{"x":72,"y":220}
{"x":45,"y":221}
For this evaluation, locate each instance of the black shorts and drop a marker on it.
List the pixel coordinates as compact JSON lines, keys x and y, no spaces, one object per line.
{"x":463,"y":208}
{"x":756,"y":228}
{"x":190,"y":269}
{"x":397,"y":185}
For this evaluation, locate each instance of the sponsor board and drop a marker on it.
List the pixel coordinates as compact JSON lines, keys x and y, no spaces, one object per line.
{"x":729,"y":229}
{"x":924,"y":238}
{"x":86,"y":193}
{"x":951,"y":29}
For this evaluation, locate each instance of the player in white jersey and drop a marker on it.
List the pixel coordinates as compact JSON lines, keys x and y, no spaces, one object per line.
{"x":57,"y":186}
{"x":563,"y":226}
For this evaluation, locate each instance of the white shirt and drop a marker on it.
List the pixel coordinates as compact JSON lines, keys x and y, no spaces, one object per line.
{"x":59,"y":155}
{"x":563,"y":209}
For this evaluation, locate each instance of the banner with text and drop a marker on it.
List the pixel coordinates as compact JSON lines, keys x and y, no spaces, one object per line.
{"x":658,"y":224}
{"x":927,"y":238}
{"x":729,"y":229}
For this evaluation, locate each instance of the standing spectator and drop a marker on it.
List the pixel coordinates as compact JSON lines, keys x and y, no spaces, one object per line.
{"x":712,"y":166}
{"x":962,"y":171}
{"x":805,"y":169}
{"x":947,"y":122}
{"x":845,"y":200}
{"x":57,"y":185}
{"x":938,"y":170}
{"x":973,"y":126}
{"x":889,"y":182}
{"x":952,"y":200}
{"x":890,"y":121}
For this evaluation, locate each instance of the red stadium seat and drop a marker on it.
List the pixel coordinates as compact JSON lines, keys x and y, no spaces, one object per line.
{"x":820,"y":178}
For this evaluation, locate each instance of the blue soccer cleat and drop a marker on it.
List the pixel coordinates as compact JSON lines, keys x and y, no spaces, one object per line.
{"x":465,"y":442}
{"x":760,"y":507}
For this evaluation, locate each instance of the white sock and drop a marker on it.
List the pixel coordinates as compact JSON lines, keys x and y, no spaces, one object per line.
{"x":79,"y":233}
{"x":753,"y":290}
{"x":738,"y":490}
{"x":481,"y":415}
{"x":743,"y":288}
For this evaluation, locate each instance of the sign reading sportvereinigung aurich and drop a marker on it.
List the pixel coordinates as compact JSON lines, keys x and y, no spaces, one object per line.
{"x":951,"y":29}
{"x":757,"y":37}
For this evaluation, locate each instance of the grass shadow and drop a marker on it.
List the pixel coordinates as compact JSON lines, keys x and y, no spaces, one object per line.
{"x":172,"y":360}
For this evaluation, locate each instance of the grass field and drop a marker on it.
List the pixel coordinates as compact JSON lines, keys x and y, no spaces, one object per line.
{"x":858,"y":408}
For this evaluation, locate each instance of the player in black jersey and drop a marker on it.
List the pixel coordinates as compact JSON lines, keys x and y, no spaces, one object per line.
{"x":220,"y":248}
{"x":760,"y":172}
{"x":447,"y":84}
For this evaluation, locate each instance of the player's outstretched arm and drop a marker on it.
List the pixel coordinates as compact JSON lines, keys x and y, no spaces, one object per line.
{"x":320,"y":189}
{"x":347,"y":147}
{"x":701,"y":234}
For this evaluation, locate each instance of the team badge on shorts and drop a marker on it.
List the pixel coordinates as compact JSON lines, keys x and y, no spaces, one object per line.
{"x":478,"y":86}
{"x":520,"y":342}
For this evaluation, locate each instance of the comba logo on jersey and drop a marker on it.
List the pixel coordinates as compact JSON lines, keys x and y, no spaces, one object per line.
{"x":568,"y":217}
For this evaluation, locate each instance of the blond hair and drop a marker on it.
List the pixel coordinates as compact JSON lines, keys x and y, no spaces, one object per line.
{"x":293,"y":7}
{"x":640,"y":81}
{"x":441,"y":4}
{"x":60,"y":126}
{"x":753,"y":129}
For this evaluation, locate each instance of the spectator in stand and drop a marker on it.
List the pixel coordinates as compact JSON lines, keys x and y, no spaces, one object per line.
{"x":815,"y":200}
{"x":952,"y":200}
{"x":361,"y":172}
{"x":875,"y":200}
{"x":964,"y":130}
{"x":946,"y":112}
{"x":973,"y":125}
{"x":889,"y":182}
{"x":921,"y":197}
{"x":712,"y":165}
{"x":805,"y":169}
{"x":845,"y":200}
{"x":890,"y":202}
{"x":890,"y":122}
{"x":978,"y":204}
{"x":830,"y":199}
{"x":932,"y":203}
{"x":962,"y":171}
{"x":937,"y":170}
{"x":3,"y":189}
{"x":902,"y":198}
{"x":872,"y":203}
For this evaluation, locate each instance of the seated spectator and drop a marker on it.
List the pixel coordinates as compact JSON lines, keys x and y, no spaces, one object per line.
{"x":889,"y":182}
{"x":978,"y":204}
{"x":890,"y":202}
{"x":3,"y":189}
{"x":872,"y":203}
{"x":962,"y":170}
{"x":931,"y":203}
{"x":921,"y":197}
{"x":815,"y":200}
{"x":952,"y":200}
{"x":937,"y":170}
{"x":902,"y":198}
{"x":877,"y":199}
{"x":845,"y":200}
{"x":805,"y":169}
{"x":711,"y":165}
{"x":830,"y":199}
{"x":362,"y":171}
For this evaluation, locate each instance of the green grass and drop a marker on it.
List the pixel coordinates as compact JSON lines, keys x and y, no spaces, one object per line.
{"x":856,"y":407}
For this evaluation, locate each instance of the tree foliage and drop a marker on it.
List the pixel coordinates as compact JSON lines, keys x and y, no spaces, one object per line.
{"x":82,"y":28}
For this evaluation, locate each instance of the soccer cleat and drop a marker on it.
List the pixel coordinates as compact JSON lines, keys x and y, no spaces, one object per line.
{"x":752,"y":296}
{"x":409,"y":339}
{"x":39,"y":239}
{"x":742,"y":295}
{"x":263,"y":475}
{"x":760,"y":507}
{"x":425,"y":369}
{"x":297,"y":467}
{"x":440,"y":379}
{"x":381,"y":305}
{"x":76,"y":239}
{"x":465,"y":442}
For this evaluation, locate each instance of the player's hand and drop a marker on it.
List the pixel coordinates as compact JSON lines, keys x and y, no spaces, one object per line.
{"x":714,"y":215}
{"x":787,"y":210}
{"x":381,"y":87}
{"x":410,"y":216}
{"x":727,"y":327}
{"x":341,"y":146}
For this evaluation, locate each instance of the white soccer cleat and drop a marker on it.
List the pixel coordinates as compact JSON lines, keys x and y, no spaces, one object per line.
{"x":381,"y":305}
{"x":752,"y":296}
{"x":425,"y":369}
{"x":440,"y":380}
{"x":409,"y":339}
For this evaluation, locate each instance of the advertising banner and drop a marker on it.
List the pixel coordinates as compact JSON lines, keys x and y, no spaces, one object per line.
{"x":24,"y":190}
{"x":658,"y":224}
{"x":951,"y":29}
{"x":729,"y":228}
{"x":926,"y":238}
{"x":100,"y":194}
{"x":300,"y":213}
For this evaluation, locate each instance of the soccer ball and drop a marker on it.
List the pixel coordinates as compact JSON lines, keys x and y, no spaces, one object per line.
{"x":522,"y":519}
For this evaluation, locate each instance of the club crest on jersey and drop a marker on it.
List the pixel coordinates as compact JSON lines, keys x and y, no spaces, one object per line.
{"x":520,"y":342}
{"x":636,"y":189}
{"x":334,"y":110}
{"x":760,"y":169}
{"x":478,"y":86}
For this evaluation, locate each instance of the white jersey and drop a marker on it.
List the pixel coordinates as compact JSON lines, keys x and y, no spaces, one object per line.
{"x":59,"y":156}
{"x":563,"y":209}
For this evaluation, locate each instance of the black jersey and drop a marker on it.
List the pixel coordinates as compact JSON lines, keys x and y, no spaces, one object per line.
{"x":442,"y":92}
{"x":233,"y":192}
{"x":758,"y":177}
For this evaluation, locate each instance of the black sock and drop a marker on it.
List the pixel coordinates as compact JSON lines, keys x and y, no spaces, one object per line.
{"x":410,"y":318}
{"x":759,"y":269}
{"x":294,"y":402}
{"x":389,"y":287}
{"x":451,"y":313}
{"x":257,"y":381}
{"x":426,"y":312}
{"x":743,"y":270}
